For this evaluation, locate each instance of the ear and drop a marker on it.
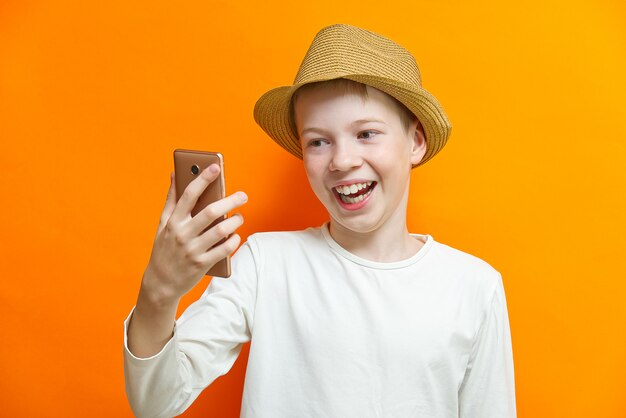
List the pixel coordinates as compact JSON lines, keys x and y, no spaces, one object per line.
{"x":418,"y":144}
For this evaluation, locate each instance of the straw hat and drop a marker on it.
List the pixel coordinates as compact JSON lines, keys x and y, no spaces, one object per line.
{"x":345,"y":51}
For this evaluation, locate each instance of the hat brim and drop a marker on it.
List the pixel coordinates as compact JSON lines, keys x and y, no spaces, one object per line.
{"x":271,"y":112}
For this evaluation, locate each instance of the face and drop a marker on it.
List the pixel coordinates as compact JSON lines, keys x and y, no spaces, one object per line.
{"x":358,"y":156}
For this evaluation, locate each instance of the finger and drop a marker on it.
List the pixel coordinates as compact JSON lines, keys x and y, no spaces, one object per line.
{"x":215,"y":210}
{"x":190,"y":196}
{"x":221,"y":251}
{"x":219,"y":232}
{"x":170,"y":200}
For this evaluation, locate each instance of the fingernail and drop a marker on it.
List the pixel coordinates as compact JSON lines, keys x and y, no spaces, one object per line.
{"x":213,"y":168}
{"x":242,"y":196}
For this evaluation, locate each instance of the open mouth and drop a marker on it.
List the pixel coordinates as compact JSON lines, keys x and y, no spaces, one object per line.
{"x":354,"y":193}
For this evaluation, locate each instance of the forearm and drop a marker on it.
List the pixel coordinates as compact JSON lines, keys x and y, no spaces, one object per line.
{"x":152,"y":323}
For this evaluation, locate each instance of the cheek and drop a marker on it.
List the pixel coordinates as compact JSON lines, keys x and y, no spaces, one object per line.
{"x":313,"y":163}
{"x":313,"y":172}
{"x":395,"y":157}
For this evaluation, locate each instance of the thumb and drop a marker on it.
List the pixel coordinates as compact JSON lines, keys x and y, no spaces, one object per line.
{"x":170,"y":202}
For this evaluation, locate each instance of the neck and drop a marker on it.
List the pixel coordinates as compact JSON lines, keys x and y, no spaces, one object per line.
{"x":388,"y":243}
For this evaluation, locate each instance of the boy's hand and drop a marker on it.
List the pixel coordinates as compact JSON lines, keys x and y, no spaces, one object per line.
{"x":182,"y":253}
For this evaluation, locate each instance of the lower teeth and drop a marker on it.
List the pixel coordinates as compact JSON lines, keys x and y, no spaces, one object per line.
{"x":352,"y":200}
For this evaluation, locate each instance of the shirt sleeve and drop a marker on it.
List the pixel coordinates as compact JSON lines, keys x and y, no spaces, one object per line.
{"x":207,"y":340}
{"x":488,"y":388}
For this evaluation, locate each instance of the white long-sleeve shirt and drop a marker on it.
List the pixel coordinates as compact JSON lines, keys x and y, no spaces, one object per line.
{"x":335,"y":335}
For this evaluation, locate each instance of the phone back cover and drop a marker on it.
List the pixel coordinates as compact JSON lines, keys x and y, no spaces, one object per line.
{"x":184,"y":160}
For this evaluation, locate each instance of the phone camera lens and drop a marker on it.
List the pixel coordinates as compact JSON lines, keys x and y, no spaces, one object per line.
{"x":195,"y":169}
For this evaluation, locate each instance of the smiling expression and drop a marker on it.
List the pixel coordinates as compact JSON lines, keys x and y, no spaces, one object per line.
{"x":358,"y":155}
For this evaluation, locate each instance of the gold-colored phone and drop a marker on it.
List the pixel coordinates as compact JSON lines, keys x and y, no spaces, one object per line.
{"x":188,"y":164}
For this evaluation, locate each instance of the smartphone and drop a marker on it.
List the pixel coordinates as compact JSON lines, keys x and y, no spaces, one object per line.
{"x":188,"y":164}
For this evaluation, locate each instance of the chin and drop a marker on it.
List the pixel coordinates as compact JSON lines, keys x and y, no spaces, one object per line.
{"x":359,"y":226}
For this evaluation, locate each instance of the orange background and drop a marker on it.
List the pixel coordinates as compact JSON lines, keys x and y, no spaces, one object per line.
{"x":95,"y":96}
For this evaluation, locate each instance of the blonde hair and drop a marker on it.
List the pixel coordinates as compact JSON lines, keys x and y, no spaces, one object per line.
{"x":346,"y":86}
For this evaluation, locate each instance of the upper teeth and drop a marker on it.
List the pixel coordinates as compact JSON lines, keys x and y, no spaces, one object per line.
{"x":353,"y":188}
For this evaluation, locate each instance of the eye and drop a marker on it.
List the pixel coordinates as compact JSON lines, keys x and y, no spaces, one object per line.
{"x":315,"y":143}
{"x":367,"y":134}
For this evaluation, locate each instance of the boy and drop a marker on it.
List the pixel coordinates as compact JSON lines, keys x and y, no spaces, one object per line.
{"x":356,"y":318}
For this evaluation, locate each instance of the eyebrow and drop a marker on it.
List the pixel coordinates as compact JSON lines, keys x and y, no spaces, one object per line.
{"x":354,"y":123}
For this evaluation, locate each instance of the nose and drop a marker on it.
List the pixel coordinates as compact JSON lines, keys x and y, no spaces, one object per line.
{"x":345,"y":157}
